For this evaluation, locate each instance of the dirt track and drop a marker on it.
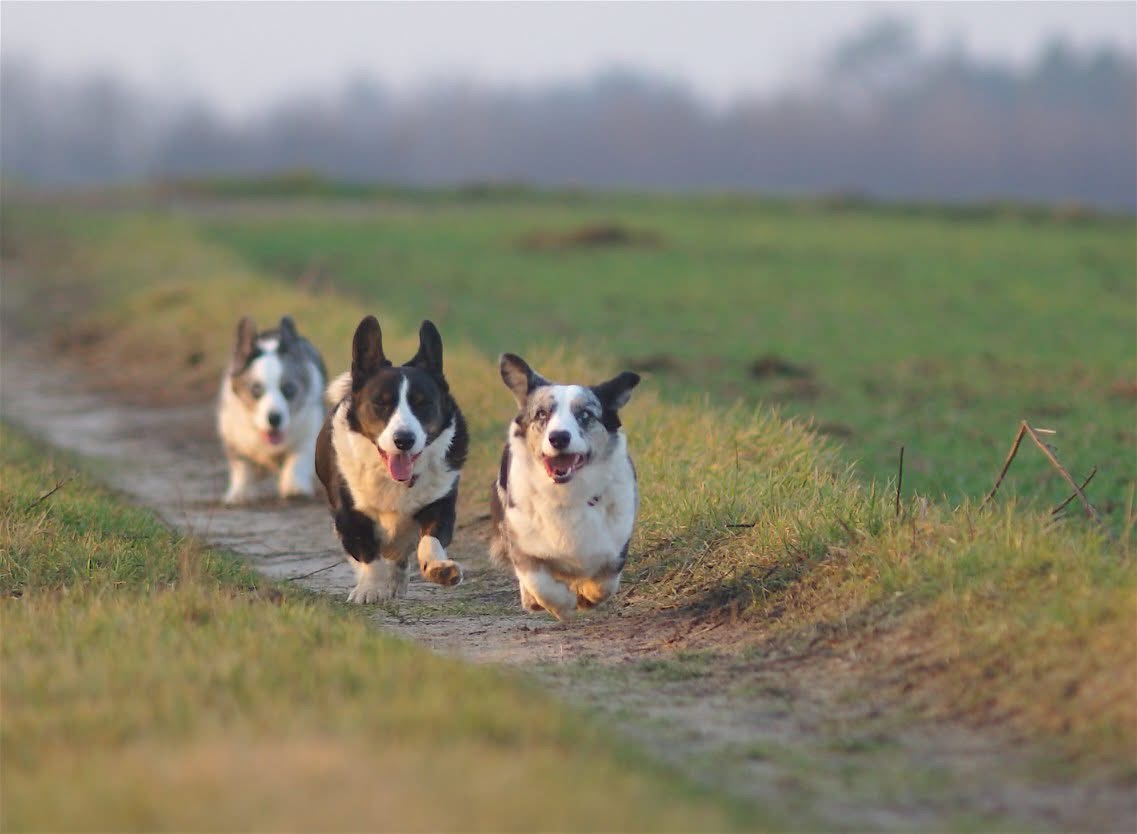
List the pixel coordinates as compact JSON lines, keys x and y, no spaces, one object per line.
{"x":796,"y":734}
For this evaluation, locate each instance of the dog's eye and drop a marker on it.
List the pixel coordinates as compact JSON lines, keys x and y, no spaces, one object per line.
{"x":257,"y":390}
{"x":541,"y":415}
{"x":584,"y":418}
{"x":289,"y":390}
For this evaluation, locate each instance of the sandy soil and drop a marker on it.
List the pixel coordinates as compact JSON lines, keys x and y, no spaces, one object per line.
{"x":806,"y":735}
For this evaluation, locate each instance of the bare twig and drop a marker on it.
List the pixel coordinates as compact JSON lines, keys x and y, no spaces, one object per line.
{"x":1027,"y":430}
{"x":313,"y":573}
{"x":899,"y":480}
{"x":1074,"y":495}
{"x":1007,"y":463}
{"x":1090,"y":511}
{"x":58,"y":486}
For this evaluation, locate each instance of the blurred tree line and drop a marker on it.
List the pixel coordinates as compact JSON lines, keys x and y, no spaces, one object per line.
{"x":883,"y":118}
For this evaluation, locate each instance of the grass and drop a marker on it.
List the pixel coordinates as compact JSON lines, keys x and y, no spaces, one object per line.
{"x":936,"y":331}
{"x":170,"y":689}
{"x":989,"y":614}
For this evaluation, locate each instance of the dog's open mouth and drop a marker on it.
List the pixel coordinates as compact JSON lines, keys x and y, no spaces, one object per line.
{"x":400,"y":466}
{"x":561,"y":468}
{"x":274,"y":437}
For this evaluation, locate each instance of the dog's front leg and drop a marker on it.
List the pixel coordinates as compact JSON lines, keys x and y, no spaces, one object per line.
{"x":541,"y":587}
{"x":373,"y":576}
{"x":298,"y":473}
{"x":436,"y":523}
{"x":240,"y":480}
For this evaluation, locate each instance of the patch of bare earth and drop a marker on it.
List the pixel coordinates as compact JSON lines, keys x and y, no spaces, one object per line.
{"x":820,"y":736}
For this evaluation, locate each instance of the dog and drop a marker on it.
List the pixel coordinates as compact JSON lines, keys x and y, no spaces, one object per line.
{"x":389,"y":456}
{"x":271,"y":408}
{"x":564,"y":502}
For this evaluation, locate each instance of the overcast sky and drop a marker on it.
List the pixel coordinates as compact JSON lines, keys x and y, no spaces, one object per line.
{"x":244,"y":55}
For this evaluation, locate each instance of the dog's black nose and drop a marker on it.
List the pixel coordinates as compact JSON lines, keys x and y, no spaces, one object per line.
{"x":274,"y":419}
{"x":559,"y":439}
{"x":404,"y":440}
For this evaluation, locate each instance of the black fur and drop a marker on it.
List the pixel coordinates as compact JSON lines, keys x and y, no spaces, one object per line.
{"x":375,"y":384}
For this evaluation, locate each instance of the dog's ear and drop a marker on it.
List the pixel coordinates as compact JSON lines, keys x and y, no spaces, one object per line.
{"x":429,"y":356}
{"x":615,"y":393}
{"x":288,"y":334}
{"x":519,"y":377}
{"x":366,"y":352}
{"x":245,"y":344}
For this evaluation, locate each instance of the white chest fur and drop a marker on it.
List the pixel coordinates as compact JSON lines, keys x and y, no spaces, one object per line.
{"x":388,"y":502}
{"x":582,"y":525}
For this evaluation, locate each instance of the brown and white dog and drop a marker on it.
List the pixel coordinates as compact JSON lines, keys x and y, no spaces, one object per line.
{"x":564,"y":502}
{"x":389,"y":456}
{"x":271,"y":408}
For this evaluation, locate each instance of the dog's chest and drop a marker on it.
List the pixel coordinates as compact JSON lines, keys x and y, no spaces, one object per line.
{"x":374,"y":493}
{"x":586,"y":528}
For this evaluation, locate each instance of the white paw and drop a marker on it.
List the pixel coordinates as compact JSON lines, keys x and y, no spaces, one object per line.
{"x":236,"y":496}
{"x":369,"y":594}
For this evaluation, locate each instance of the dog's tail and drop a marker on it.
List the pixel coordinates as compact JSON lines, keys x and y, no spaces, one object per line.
{"x":337,"y":389}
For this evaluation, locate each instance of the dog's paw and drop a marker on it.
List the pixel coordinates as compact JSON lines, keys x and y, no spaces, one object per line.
{"x":235,"y":497}
{"x":369,"y":594}
{"x":529,"y":602}
{"x":445,"y":572}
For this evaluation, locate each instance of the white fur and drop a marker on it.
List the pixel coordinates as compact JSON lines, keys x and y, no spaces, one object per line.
{"x":242,"y":431}
{"x":390,"y":504}
{"x":559,"y":522}
{"x":562,"y":419}
{"x":403,"y":420}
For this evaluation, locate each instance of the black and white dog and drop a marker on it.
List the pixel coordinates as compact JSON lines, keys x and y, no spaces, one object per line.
{"x":389,"y":456}
{"x":271,"y":408}
{"x":564,"y":501}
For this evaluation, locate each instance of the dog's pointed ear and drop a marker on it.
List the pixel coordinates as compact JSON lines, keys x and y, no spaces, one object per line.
{"x":519,"y":377}
{"x":615,"y":393}
{"x":429,"y":356}
{"x":245,"y":344}
{"x":366,"y":352}
{"x":288,"y":333}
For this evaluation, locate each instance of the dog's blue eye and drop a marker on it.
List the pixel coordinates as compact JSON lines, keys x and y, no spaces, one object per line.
{"x":257,"y":390}
{"x":541,"y":415}
{"x":289,"y":390}
{"x":584,"y":418}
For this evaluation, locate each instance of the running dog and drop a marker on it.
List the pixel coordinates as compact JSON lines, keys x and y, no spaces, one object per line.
{"x":564,"y":501}
{"x":271,"y":408}
{"x":389,"y":457}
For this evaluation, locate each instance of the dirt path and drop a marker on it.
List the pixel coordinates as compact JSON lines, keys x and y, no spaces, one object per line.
{"x":801,"y":735}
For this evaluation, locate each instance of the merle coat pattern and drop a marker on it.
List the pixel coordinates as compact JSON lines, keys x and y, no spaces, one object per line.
{"x":564,"y":502}
{"x":270,"y":409}
{"x":389,"y":457}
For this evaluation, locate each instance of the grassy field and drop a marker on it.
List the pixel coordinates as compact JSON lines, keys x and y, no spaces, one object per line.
{"x":1012,"y":617}
{"x":936,"y":330}
{"x":170,"y":689}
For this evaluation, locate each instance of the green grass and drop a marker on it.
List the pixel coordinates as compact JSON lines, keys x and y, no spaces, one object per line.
{"x":993,"y":614}
{"x":938,"y":331}
{"x":168,"y":688}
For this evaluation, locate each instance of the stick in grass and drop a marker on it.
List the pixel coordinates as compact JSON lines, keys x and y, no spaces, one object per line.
{"x":1090,"y":511}
{"x":58,"y":486}
{"x":899,"y":480}
{"x":1074,"y":495}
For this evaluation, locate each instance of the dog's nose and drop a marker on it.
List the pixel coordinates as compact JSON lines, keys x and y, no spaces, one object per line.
{"x":559,"y":439}
{"x":274,"y":419}
{"x":404,"y":440}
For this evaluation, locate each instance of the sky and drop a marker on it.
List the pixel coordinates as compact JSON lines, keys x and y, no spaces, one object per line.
{"x":245,"y":55}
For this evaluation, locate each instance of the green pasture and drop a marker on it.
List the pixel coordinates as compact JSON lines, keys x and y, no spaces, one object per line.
{"x":1026,"y":618}
{"x":938,"y":330}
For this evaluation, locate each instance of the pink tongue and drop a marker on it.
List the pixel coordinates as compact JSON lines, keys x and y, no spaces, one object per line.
{"x":400,"y":466}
